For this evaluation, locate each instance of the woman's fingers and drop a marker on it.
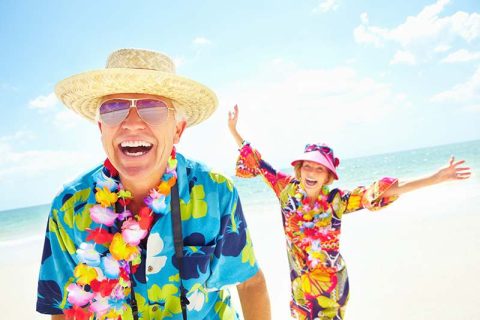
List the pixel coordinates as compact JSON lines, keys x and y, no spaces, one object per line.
{"x":458,"y":163}
{"x":465,"y":175}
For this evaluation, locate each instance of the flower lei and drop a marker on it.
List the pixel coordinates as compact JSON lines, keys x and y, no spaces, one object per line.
{"x":103,"y":279}
{"x":307,"y":227}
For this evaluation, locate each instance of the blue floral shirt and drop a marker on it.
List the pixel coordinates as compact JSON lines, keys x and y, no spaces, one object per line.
{"x":218,"y":250}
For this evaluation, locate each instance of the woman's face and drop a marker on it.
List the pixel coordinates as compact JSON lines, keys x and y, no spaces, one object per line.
{"x":313,"y":177}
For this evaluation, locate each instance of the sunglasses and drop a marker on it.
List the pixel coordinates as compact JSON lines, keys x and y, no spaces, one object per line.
{"x":318,"y":147}
{"x":153,"y":111}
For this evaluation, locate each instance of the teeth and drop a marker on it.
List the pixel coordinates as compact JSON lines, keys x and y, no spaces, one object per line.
{"x":134,"y":154}
{"x":311,"y":181}
{"x":133,"y":144}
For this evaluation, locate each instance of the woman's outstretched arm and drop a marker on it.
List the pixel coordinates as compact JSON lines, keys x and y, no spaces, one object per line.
{"x":451,"y":172}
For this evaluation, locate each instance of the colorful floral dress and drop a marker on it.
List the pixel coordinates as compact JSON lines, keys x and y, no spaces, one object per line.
{"x":317,"y":270}
{"x":218,"y":250}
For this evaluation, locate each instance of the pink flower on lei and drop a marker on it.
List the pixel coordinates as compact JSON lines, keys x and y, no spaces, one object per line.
{"x":132,"y":233}
{"x":102,"y":215}
{"x":77,"y":296}
{"x":100,"y":306}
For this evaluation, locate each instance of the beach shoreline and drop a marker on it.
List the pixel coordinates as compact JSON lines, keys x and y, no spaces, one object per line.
{"x":416,"y":259}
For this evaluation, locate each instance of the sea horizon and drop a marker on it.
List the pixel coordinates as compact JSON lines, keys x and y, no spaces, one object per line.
{"x":363,"y":157}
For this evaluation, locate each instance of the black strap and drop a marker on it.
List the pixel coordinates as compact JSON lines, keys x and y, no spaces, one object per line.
{"x":178,"y":242}
{"x":133,"y":300}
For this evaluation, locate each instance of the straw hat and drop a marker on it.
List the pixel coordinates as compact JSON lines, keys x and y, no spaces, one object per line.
{"x":137,"y":71}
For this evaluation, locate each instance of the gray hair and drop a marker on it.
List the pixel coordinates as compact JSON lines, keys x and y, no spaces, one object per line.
{"x":179,"y":114}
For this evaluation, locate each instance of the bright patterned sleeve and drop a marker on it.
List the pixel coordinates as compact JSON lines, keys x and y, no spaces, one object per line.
{"x":369,"y":198}
{"x":234,"y":259}
{"x":56,"y":270}
{"x":250,"y":164}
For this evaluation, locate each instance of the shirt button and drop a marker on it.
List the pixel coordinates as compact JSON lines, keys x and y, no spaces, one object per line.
{"x":155,"y":308}
{"x":150,"y":269}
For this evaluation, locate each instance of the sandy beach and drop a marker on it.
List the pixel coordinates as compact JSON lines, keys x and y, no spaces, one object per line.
{"x":417,"y":259}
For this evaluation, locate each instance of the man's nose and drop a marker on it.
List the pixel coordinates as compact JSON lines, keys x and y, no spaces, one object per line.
{"x":133,"y":120}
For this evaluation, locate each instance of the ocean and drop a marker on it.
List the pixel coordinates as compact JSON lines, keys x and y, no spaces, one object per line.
{"x":26,"y":224}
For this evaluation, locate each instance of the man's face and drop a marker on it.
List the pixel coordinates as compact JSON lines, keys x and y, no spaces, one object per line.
{"x":137,"y":149}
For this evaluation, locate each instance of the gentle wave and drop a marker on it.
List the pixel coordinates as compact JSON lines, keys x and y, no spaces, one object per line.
{"x":21,"y":241}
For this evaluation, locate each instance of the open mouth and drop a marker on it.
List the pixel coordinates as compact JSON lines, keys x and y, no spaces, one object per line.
{"x":310,"y":182}
{"x":135,"y":148}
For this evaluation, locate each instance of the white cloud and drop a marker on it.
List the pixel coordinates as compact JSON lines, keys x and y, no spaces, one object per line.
{"x":472,"y":108}
{"x":6,"y":87}
{"x":442,"y":48}
{"x":403,"y":57}
{"x":17,"y":165}
{"x":326,"y":5}
{"x":67,"y":119}
{"x":18,"y":137}
{"x":467,"y":93}
{"x":295,"y":106}
{"x":424,"y":31}
{"x":44,"y":102}
{"x":201,"y":41}
{"x":461,"y":55}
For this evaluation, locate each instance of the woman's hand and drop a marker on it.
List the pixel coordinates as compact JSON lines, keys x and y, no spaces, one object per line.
{"x":232,"y":119}
{"x":232,"y":125}
{"x":453,"y":171}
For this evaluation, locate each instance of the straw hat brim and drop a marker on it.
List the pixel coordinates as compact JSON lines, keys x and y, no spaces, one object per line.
{"x":82,"y":92}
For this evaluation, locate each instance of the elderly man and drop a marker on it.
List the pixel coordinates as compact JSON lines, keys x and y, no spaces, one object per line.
{"x":149,"y":234}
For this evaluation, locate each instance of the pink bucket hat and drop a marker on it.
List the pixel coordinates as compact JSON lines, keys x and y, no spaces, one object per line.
{"x":321,"y":154}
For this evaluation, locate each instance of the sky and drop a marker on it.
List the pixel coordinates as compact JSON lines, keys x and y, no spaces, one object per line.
{"x":364,"y":77}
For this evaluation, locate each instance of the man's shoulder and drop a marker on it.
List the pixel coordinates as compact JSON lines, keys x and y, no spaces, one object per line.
{"x":199,"y":172}
{"x":82,"y":184}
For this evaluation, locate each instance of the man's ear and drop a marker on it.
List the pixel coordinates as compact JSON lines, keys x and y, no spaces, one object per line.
{"x":179,"y":129}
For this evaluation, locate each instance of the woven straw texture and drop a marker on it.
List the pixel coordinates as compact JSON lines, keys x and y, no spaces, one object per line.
{"x":137,"y":71}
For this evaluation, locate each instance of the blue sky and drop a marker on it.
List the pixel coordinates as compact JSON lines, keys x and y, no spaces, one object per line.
{"x":364,"y":77}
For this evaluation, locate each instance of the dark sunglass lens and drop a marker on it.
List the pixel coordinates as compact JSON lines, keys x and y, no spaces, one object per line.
{"x":150,"y":103}
{"x":152,"y":111}
{"x":114,"y":105}
{"x":112,"y":112}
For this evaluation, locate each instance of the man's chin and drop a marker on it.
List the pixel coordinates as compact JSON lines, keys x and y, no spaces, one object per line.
{"x":135,"y":171}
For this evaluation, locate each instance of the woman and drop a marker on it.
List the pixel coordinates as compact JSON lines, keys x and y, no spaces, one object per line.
{"x":312,"y":216}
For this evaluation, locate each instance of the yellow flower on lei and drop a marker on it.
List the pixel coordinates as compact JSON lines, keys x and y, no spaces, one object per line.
{"x":85,"y":274}
{"x":121,"y":250}
{"x":105,"y":197}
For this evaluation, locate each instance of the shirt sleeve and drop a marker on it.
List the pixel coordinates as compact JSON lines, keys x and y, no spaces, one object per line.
{"x":234,"y":259}
{"x":250,"y":164}
{"x":57,"y":265}
{"x":371,"y":197}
